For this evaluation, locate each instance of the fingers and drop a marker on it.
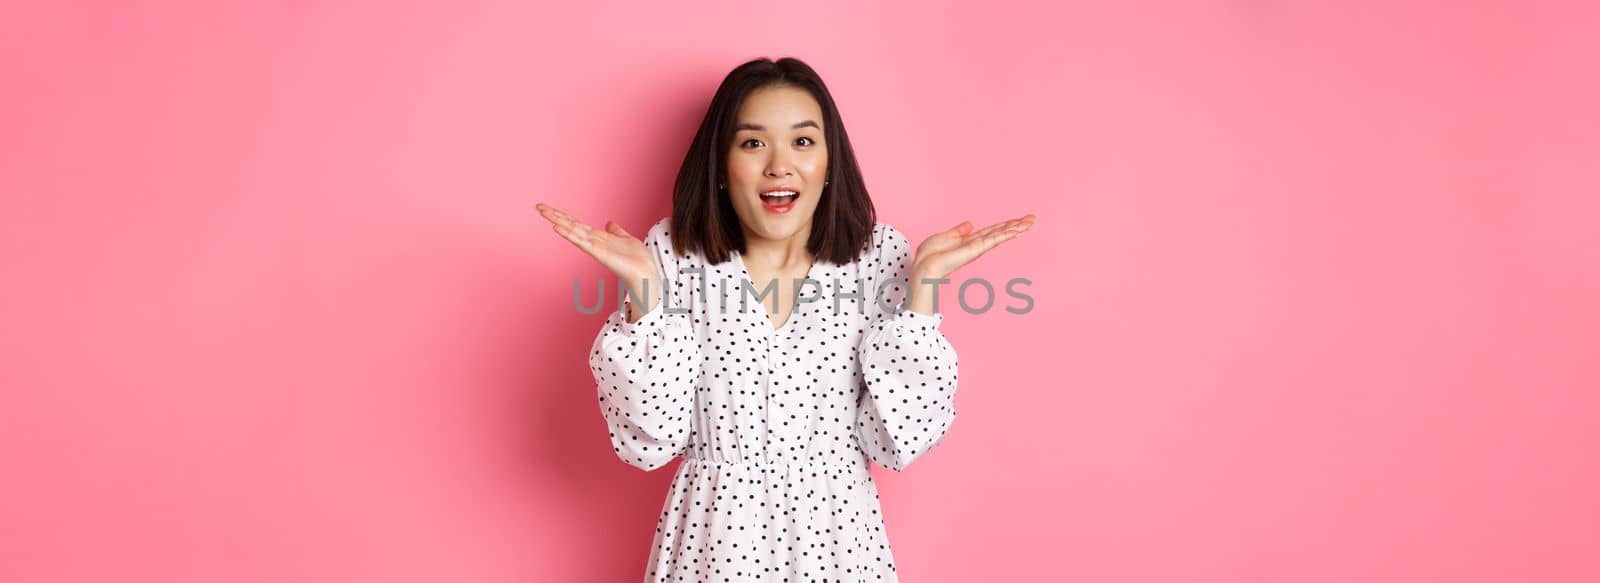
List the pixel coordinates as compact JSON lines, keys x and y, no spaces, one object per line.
{"x":1021,"y":224}
{"x":986,"y":231}
{"x":616,"y":229}
{"x":970,"y":245}
{"x":977,"y":247}
{"x":993,"y":235}
{"x":579,"y":234}
{"x":557,"y":217}
{"x":1018,"y":224}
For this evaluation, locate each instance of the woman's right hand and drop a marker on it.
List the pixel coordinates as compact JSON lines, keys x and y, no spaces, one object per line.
{"x":625,"y":255}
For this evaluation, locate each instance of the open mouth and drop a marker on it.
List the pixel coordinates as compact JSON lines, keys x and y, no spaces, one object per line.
{"x":779,"y":200}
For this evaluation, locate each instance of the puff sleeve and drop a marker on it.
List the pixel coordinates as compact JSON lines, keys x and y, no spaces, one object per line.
{"x":908,"y":367}
{"x":646,"y":371}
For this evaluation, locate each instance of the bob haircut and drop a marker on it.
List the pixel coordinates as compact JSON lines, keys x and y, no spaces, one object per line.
{"x":702,"y":214}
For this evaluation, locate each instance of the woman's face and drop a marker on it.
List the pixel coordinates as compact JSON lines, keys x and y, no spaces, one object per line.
{"x":778,"y":144}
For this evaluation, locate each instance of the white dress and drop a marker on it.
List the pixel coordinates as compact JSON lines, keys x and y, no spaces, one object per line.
{"x":775,"y":425}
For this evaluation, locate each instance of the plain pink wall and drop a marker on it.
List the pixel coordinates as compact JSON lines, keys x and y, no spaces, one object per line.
{"x":1316,"y":285}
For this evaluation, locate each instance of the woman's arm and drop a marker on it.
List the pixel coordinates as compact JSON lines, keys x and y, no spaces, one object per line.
{"x":908,"y":367}
{"x":646,"y":371}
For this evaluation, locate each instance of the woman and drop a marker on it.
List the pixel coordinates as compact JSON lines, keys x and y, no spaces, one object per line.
{"x":774,"y":410}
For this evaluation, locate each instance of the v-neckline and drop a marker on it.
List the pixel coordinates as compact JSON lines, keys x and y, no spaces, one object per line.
{"x":761,"y":307}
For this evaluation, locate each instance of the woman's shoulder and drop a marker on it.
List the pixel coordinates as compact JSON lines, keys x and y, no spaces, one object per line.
{"x":662,"y":229}
{"x":887,"y":241}
{"x":659,"y":239}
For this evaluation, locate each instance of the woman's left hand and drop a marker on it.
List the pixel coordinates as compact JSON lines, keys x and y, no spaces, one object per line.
{"x":945,"y":252}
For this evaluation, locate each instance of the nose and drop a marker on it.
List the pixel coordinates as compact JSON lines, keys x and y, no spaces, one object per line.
{"x":778,"y":165}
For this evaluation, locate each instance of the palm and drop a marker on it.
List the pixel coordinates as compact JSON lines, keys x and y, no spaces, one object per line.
{"x":943,"y":253}
{"x":622,"y":253}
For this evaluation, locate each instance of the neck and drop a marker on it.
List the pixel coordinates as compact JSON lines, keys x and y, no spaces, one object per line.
{"x":787,"y":253}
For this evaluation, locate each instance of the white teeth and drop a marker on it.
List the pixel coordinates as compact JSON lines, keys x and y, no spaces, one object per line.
{"x":778,"y":194}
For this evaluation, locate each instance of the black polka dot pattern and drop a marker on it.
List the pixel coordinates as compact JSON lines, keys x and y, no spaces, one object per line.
{"x":775,"y":424}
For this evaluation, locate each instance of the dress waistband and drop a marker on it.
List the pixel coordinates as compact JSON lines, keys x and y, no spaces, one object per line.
{"x":780,"y":464}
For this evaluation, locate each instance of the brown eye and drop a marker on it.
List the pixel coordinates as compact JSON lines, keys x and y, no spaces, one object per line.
{"x":808,"y":141}
{"x":747,"y":142}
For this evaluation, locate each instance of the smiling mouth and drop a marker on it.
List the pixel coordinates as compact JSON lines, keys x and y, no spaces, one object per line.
{"x":779,"y":198}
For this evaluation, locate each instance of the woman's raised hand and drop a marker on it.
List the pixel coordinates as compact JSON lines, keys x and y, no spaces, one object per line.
{"x":625,"y":255}
{"x":943,"y":253}
{"x":946,"y":251}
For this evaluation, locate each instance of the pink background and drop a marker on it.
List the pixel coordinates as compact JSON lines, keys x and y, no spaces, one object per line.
{"x":1316,"y":283}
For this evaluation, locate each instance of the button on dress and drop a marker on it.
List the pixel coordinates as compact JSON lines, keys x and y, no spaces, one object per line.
{"x":775,"y":424}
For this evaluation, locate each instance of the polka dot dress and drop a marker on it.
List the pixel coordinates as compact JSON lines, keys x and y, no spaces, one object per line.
{"x":775,"y":424}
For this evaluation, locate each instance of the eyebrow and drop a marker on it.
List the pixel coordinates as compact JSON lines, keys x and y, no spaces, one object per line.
{"x":762,"y":128}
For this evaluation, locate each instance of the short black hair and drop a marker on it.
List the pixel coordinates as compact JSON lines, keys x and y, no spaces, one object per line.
{"x":702,"y":214}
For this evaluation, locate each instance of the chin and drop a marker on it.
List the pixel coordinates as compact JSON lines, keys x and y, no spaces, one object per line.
{"x":782,"y":226}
